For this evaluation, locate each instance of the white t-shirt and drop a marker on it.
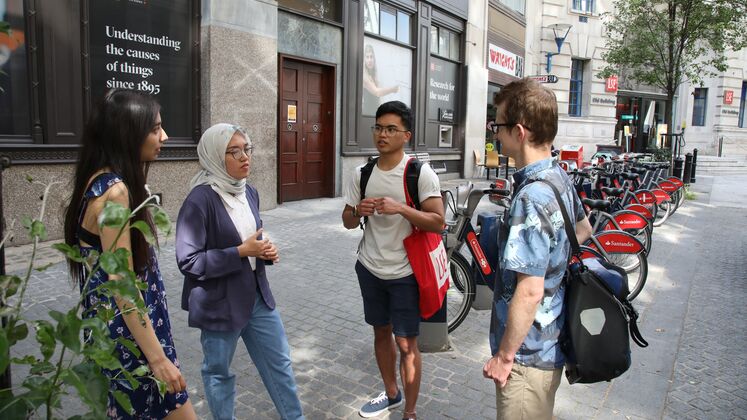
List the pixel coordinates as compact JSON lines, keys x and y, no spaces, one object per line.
{"x":382,"y":251}
{"x":241,"y":215}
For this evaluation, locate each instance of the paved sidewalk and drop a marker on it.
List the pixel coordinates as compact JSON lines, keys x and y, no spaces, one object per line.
{"x":691,"y":313}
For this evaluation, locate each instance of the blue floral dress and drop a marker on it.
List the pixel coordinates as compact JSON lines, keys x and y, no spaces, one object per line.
{"x":146,"y":400}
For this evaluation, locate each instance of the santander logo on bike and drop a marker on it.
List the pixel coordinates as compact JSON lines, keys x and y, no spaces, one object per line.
{"x":624,"y":244}
{"x":627,"y":222}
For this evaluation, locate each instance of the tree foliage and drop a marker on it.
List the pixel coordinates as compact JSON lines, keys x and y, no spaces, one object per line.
{"x":72,"y":350}
{"x":663,"y":43}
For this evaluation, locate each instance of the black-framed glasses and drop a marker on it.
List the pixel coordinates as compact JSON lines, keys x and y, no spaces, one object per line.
{"x":239,"y":153}
{"x":389,"y":130}
{"x":495,"y":127}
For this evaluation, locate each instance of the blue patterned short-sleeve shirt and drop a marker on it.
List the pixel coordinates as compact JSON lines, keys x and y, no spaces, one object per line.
{"x":536,"y":245}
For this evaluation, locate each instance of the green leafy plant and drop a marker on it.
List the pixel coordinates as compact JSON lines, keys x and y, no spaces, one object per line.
{"x":73,"y":349}
{"x":660,"y":154}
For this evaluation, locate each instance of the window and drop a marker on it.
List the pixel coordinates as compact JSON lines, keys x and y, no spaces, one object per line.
{"x":387,"y":74}
{"x":15,"y":117}
{"x":516,"y":5}
{"x":742,"y":117}
{"x":387,"y":21}
{"x":445,"y":43}
{"x":699,"y":106}
{"x":490,"y":116}
{"x":323,"y":9}
{"x":577,"y":87}
{"x":583,"y":6}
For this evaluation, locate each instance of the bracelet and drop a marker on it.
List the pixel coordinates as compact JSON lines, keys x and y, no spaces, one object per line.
{"x":355,"y":212}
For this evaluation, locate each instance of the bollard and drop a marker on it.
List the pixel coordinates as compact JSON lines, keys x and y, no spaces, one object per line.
{"x":695,"y":164}
{"x":688,"y":168}
{"x":434,"y":332}
{"x":677,"y":167}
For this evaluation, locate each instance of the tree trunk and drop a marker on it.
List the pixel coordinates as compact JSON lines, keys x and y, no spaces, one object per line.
{"x":668,"y":112}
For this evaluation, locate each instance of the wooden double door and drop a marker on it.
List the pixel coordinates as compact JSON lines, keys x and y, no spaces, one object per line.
{"x":306,"y":130}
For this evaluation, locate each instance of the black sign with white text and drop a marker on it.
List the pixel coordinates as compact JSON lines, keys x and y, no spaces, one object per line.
{"x":442,"y":93}
{"x":544,"y":78}
{"x":144,"y":45}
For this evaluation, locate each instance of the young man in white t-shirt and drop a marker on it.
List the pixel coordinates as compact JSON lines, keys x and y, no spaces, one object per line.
{"x":388,"y":287}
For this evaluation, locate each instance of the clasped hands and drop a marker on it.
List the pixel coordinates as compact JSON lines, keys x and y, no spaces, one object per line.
{"x":260,"y":248}
{"x":381,"y":205}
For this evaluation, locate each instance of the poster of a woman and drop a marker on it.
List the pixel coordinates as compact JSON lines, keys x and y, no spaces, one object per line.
{"x":382,"y":81}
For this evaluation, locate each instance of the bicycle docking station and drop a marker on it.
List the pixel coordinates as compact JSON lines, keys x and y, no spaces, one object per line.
{"x":434,"y":332}
{"x":489,"y":232}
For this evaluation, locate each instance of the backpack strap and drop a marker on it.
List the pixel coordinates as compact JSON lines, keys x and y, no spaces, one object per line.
{"x":575,"y":248}
{"x":412,"y":176}
{"x":635,"y":333}
{"x":366,"y":172}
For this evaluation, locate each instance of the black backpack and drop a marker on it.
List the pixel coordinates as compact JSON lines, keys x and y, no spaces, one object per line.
{"x":599,"y":318}
{"x":412,"y":175}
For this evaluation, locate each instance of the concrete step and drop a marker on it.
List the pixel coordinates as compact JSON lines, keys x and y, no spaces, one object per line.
{"x":714,"y":164}
{"x":720,"y":170}
{"x":717,"y":158}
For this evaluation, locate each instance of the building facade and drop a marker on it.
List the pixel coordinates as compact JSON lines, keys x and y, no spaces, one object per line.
{"x":713,"y":113}
{"x":304,"y":77}
{"x":573,"y":33}
{"x":496,"y":36}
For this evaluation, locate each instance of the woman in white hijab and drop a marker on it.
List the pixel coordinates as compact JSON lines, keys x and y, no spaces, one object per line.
{"x":221,"y":252}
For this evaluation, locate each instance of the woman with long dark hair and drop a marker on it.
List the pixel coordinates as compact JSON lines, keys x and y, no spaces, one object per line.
{"x":122,"y":136}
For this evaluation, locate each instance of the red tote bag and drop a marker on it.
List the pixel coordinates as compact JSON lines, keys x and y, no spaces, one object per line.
{"x":429,"y":262}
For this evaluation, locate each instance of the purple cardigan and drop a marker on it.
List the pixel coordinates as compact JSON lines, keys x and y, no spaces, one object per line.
{"x":219,"y":286}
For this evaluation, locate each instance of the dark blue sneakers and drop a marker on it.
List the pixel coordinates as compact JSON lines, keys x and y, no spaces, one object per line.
{"x":380,"y":404}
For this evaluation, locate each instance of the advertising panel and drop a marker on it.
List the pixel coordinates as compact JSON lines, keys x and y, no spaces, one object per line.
{"x":387,"y":74}
{"x":145,"y":46}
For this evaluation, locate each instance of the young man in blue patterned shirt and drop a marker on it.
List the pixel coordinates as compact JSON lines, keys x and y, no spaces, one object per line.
{"x":528,"y":309}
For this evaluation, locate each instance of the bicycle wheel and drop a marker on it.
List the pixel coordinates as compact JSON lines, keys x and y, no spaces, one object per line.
{"x":636,"y":266}
{"x":461,"y":291}
{"x":675,"y":204}
{"x":678,"y":198}
{"x":647,"y":199}
{"x":635,"y":224}
{"x":643,"y":235}
{"x":625,"y":251}
{"x":662,"y":213}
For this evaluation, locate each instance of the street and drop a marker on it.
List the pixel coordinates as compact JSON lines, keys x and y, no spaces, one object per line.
{"x":691,"y":313}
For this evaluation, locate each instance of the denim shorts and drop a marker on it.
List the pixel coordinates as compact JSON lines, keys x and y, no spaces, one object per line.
{"x":390,"y":302}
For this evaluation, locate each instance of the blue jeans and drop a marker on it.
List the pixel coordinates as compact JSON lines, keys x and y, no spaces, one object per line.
{"x":267,"y":344}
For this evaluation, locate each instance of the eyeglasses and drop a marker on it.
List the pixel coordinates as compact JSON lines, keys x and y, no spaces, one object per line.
{"x":495,"y":127}
{"x":390,"y":130}
{"x":239,"y":153}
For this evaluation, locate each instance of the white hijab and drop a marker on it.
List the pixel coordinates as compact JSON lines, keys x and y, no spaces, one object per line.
{"x":212,"y":153}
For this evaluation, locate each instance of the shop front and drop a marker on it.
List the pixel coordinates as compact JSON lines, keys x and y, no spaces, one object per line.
{"x":640,"y":121}
{"x":410,"y":51}
{"x":60,"y":59}
{"x":505,"y":56}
